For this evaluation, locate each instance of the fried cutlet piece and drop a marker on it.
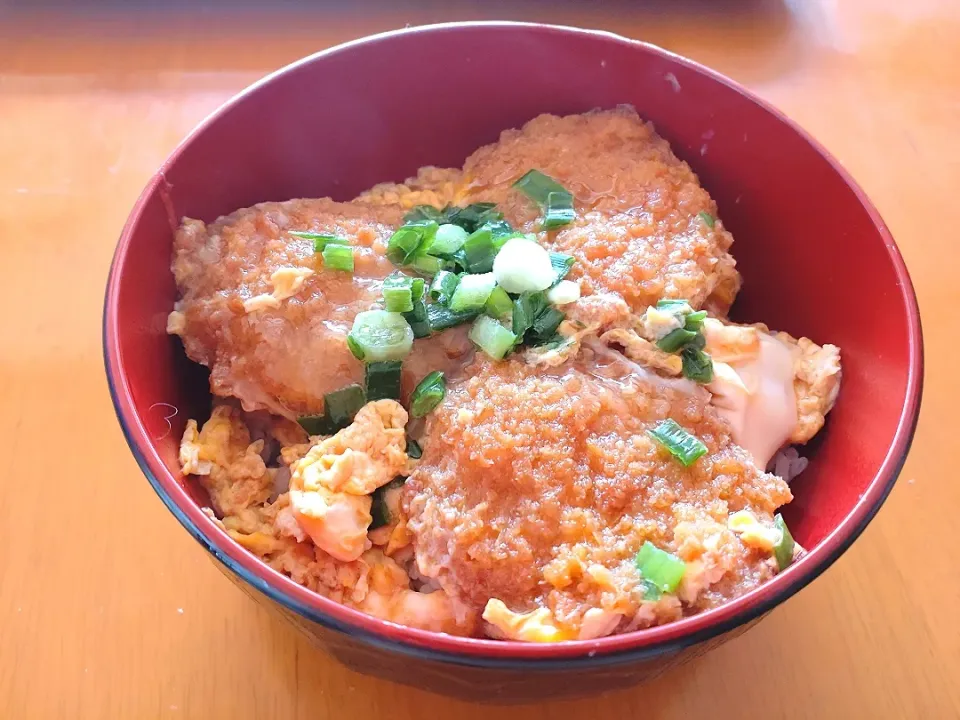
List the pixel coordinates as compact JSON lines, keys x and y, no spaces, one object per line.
{"x":260,"y":310}
{"x":638,"y":232}
{"x":538,"y":486}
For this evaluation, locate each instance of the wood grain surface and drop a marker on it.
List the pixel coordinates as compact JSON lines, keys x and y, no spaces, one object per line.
{"x":109,"y":610}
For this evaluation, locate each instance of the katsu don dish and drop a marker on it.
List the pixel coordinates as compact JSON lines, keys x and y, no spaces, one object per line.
{"x":503,"y":400}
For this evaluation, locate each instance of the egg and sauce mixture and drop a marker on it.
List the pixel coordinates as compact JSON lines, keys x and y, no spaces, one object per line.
{"x":504,"y":400}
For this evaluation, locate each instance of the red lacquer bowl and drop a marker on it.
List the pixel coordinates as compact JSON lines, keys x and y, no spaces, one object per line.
{"x":816,"y":259}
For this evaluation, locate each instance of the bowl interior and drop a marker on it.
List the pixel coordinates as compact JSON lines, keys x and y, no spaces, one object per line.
{"x":813,"y":258}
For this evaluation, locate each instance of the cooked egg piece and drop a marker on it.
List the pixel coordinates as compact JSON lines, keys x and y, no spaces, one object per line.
{"x":752,"y":532}
{"x":330,"y":486}
{"x":535,"y":626}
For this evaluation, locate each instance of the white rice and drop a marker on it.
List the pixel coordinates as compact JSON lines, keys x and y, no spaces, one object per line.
{"x":787,"y":463}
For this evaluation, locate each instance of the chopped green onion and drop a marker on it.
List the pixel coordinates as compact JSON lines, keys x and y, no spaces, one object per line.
{"x":383,"y":380}
{"x":694,"y":320}
{"x":783,"y":550}
{"x":661,"y":568}
{"x":418,"y":320}
{"x":338,"y":257}
{"x":315,"y":424}
{"x":472,"y":292}
{"x":471,"y":217}
{"x":398,"y":292}
{"x":342,"y":405}
{"x":443,"y":285}
{"x":405,"y":243}
{"x":523,"y":266}
{"x":491,"y":337}
{"x":546,"y":324}
{"x":708,"y":219}
{"x":421,"y":328}
{"x":423,"y":214}
{"x":320,"y":240}
{"x":355,"y":348}
{"x":499,"y":303}
{"x":559,"y":210}
{"x":564,"y":293}
{"x":414,"y":450}
{"x":441,"y":317}
{"x":339,"y":409}
{"x":419,"y":312}
{"x":381,"y":335}
{"x":697,"y":365}
{"x":561,"y":265}
{"x":427,"y":264}
{"x":650,"y":591}
{"x":526,"y":308}
{"x":675,"y":339}
{"x":479,"y":251}
{"x":428,"y":394}
{"x":380,"y":514}
{"x":537,"y":186}
{"x":448,"y":240}
{"x":418,"y":288}
{"x":684,"y":446}
{"x":500,"y":229}
{"x":677,"y":306}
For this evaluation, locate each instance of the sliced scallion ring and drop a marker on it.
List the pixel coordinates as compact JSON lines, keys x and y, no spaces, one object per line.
{"x":472,"y":292}
{"x":523,"y":266}
{"x":559,"y":210}
{"x":478,"y":251}
{"x":661,"y":568}
{"x":338,"y":257}
{"x":382,"y":380}
{"x":498,"y":304}
{"x":675,"y":339}
{"x":443,"y":286}
{"x":537,"y":186}
{"x":441,"y":317}
{"x":491,"y":337}
{"x":684,"y":446}
{"x":381,"y":335}
{"x":428,"y":394}
{"x":398,"y":292}
{"x":343,"y":404}
{"x":784,"y":548}
{"x":448,"y":239}
{"x":564,"y":293}
{"x":320,"y":240}
{"x":697,"y":365}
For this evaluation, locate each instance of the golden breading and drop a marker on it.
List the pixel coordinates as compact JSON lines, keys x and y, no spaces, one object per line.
{"x":530,"y":476}
{"x":638,"y":232}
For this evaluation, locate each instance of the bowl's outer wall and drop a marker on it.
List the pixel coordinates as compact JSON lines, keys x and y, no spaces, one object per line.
{"x":814,"y":261}
{"x":484,"y":684}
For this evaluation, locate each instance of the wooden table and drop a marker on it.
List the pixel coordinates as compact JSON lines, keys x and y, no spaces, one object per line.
{"x":109,"y":610}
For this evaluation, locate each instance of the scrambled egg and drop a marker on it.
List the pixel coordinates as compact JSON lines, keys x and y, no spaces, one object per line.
{"x":228,"y":464}
{"x":643,"y":351}
{"x":752,"y":532}
{"x":535,"y":626}
{"x":331,"y":484}
{"x":286,"y":282}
